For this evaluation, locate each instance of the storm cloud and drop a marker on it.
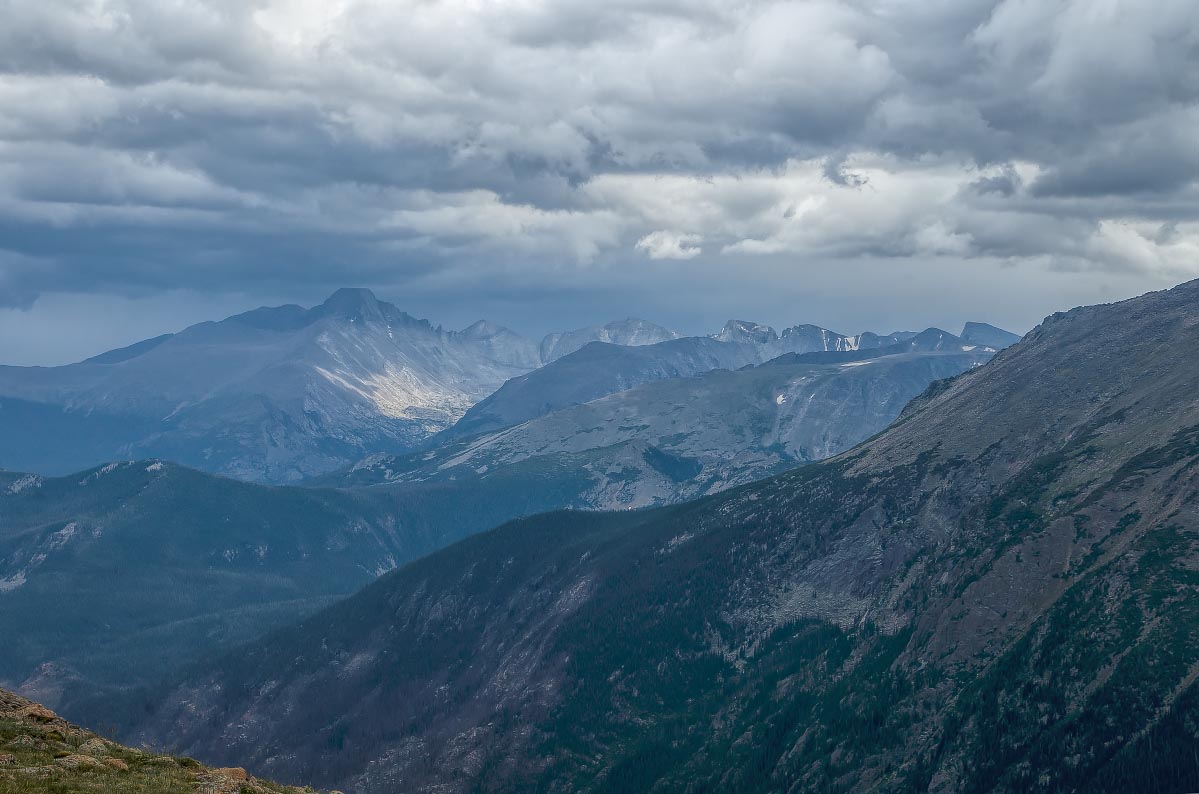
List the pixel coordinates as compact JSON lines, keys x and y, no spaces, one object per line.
{"x":685,"y":160}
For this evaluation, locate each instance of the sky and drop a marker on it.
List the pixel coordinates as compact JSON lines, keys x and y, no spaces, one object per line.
{"x":858,"y":164}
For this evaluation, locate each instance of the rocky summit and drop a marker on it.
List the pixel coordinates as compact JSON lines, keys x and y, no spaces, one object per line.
{"x":998,"y":593}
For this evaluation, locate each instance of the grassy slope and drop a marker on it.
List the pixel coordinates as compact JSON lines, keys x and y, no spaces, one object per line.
{"x":40,"y":752}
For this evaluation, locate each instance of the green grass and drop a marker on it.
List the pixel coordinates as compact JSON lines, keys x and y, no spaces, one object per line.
{"x":57,"y":758}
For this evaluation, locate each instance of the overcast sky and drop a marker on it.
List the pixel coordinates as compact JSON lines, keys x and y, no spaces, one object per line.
{"x":860,"y":164}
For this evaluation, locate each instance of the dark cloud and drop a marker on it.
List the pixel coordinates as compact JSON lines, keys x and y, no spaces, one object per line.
{"x":580,"y":151}
{"x":1006,"y":183}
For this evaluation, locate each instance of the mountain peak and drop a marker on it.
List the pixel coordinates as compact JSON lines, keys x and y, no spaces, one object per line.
{"x":745,"y":331}
{"x":934,"y":339}
{"x":359,"y":303}
{"x":989,"y":335}
{"x":352,"y":302}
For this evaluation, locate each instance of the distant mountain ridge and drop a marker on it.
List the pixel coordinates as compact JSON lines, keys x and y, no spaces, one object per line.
{"x":597,"y":370}
{"x":667,"y":440}
{"x":630,"y":333}
{"x":273,"y":394}
{"x":281,"y":394}
{"x":798,"y":338}
{"x":593,"y":371}
{"x":984,"y":334}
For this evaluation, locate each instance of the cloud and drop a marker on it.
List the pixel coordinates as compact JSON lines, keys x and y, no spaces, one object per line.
{"x":670,"y":245}
{"x":282,"y":147}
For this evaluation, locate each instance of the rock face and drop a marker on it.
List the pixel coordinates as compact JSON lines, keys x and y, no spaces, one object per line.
{"x":998,"y":593}
{"x":275,"y":394}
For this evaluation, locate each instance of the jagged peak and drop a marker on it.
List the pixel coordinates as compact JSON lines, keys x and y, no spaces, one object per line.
{"x":804,"y":328}
{"x":359,"y":303}
{"x":745,"y":331}
{"x":351,"y":301}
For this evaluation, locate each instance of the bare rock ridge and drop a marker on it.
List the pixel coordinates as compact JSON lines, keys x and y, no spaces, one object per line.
{"x":998,"y":593}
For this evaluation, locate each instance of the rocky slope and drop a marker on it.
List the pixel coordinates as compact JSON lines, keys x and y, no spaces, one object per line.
{"x":41,"y":752}
{"x":998,"y":593}
{"x":275,"y":394}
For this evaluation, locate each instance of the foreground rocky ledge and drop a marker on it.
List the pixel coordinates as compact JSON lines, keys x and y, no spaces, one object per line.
{"x":41,"y":752}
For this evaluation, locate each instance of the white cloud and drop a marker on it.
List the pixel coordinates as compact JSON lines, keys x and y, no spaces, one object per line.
{"x":663,"y":244}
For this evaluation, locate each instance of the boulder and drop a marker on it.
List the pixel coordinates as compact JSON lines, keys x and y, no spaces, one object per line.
{"x":76,"y":761}
{"x":94,"y":746}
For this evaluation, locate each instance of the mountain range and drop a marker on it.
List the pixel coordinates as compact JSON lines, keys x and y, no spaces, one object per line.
{"x":629,"y":333}
{"x":996,"y":593}
{"x":597,"y":370}
{"x":282,"y":394}
{"x":673,"y":439}
{"x":120,"y":572}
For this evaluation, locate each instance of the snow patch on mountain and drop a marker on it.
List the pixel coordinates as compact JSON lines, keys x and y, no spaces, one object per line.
{"x":11,"y":583}
{"x":25,"y":483}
